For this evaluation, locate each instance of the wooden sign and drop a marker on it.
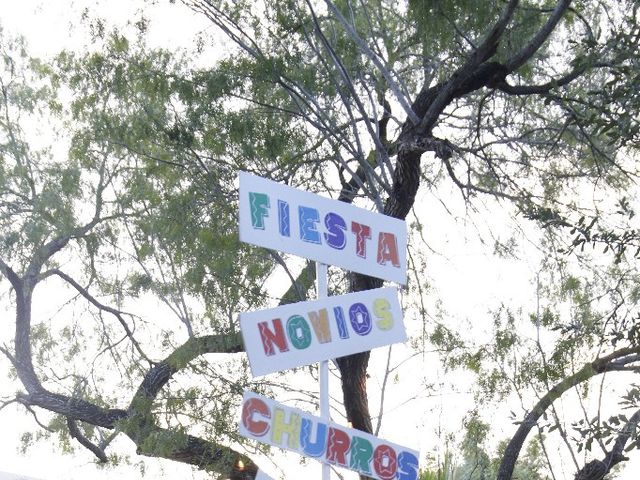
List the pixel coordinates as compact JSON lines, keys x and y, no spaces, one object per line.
{"x":270,"y":422}
{"x":283,"y":218}
{"x":307,"y":332}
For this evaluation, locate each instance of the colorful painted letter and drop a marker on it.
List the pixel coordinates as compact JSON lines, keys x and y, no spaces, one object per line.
{"x":298,"y":431}
{"x":329,"y":231}
{"x":307,"y":332}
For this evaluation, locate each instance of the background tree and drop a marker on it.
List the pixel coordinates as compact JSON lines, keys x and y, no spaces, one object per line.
{"x":529,"y":104}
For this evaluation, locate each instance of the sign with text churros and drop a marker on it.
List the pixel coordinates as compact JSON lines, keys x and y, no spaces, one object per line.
{"x":307,"y":332}
{"x":283,"y":218}
{"x":276,"y":424}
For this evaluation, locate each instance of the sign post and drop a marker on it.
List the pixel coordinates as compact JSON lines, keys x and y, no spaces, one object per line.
{"x":325,"y":413}
{"x":329,"y":232}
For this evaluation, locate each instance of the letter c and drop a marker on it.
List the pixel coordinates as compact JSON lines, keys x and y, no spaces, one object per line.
{"x":257,"y":427}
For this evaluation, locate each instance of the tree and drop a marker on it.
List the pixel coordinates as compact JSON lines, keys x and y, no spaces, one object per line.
{"x":84,"y":205}
{"x":529,"y":103}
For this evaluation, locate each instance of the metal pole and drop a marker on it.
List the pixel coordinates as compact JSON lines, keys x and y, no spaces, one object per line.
{"x":321,"y":288}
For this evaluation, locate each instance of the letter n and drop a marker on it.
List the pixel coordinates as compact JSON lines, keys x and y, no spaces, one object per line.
{"x":271,"y":338}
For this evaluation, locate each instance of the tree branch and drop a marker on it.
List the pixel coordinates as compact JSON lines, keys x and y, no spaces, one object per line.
{"x":393,"y":85}
{"x":74,"y":431}
{"x":445,"y":92}
{"x":300,"y":285}
{"x":8,"y":272}
{"x":597,"y":469}
{"x":539,"y":38}
{"x":74,"y":407}
{"x":116,"y":313}
{"x":541,"y":89}
{"x":597,"y":367}
{"x":137,"y":422}
{"x":158,"y":376}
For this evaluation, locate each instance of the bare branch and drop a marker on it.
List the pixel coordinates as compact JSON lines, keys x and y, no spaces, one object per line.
{"x":5,"y":351}
{"x":393,"y":85}
{"x":294,"y":283}
{"x":550,"y":85}
{"x":116,"y":313}
{"x":543,"y":88}
{"x":383,"y":389}
{"x":75,"y":432}
{"x":74,"y":407}
{"x":37,"y":420}
{"x":6,"y":403}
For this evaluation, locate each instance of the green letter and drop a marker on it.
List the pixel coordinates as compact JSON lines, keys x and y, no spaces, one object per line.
{"x":259,"y":203}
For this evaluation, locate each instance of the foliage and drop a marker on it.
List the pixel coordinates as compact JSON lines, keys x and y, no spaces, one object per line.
{"x":522,"y":108}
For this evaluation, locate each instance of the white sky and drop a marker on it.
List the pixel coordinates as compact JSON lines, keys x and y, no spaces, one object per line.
{"x":469,"y":273}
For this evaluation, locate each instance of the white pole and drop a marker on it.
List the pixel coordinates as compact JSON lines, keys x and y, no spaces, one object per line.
{"x":321,"y":287}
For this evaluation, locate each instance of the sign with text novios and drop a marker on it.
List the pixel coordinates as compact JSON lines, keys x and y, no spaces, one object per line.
{"x":273,"y":423}
{"x":283,"y":218}
{"x":307,"y":332}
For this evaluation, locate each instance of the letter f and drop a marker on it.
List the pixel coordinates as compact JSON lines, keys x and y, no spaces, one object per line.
{"x":259,"y":209}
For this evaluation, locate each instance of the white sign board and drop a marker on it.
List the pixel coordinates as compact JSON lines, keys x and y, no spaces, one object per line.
{"x":307,"y":332}
{"x":270,"y":422}
{"x":283,"y":218}
{"x":262,"y":476}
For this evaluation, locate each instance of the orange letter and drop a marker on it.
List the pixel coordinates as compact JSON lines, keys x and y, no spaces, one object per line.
{"x":388,"y":249}
{"x":270,"y":338}
{"x":363,"y":232}
{"x":320,"y":322}
{"x":337,"y":446}
{"x":251,"y":406}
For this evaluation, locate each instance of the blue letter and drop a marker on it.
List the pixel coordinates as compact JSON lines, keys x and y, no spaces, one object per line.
{"x":360,"y":318}
{"x":336,"y":227}
{"x":407,"y":466}
{"x":283,"y":218}
{"x":342,"y":325}
{"x":317,"y":448}
{"x":308,"y":218}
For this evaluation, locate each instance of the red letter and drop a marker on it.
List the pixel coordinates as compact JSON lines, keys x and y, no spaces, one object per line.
{"x":269,"y":338}
{"x":363,"y":232}
{"x":388,"y":249}
{"x":385,"y":462}
{"x":251,"y":406}
{"x":337,"y":446}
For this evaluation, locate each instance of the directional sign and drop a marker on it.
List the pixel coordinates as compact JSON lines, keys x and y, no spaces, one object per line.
{"x":283,"y":218}
{"x":307,"y":332}
{"x":270,"y":422}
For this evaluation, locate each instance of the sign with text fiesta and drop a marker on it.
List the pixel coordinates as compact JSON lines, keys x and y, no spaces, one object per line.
{"x":271,"y":422}
{"x":283,"y":218}
{"x":307,"y":332}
